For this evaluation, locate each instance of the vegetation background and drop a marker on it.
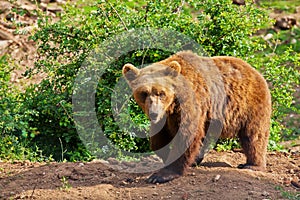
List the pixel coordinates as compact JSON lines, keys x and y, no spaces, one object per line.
{"x":36,"y":120}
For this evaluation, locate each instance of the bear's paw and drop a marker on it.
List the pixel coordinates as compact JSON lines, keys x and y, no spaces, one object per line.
{"x":163,"y":176}
{"x":252,"y":167}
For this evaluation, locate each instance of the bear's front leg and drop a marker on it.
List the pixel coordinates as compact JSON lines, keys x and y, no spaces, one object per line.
{"x":177,"y":155}
{"x":174,"y":169}
{"x":168,"y":173}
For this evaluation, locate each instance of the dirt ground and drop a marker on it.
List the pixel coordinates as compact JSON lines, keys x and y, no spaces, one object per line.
{"x":216,"y":178}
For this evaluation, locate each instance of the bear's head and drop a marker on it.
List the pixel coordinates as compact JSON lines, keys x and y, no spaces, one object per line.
{"x":154,"y":87}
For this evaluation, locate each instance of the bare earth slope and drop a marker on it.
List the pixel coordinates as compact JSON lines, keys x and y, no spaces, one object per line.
{"x":216,"y":178}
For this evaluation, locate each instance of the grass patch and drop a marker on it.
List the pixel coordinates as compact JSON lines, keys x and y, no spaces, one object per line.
{"x":288,"y":194}
{"x":288,"y":6}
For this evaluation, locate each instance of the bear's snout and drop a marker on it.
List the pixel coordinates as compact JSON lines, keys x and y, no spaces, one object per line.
{"x":156,"y":111}
{"x":153,"y":116}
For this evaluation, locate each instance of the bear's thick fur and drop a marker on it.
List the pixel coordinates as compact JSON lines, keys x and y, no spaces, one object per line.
{"x":191,"y":100}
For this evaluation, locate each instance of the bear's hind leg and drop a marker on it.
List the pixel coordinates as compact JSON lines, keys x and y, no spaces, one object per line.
{"x":213,"y":129}
{"x":198,"y":161}
{"x":254,"y":141}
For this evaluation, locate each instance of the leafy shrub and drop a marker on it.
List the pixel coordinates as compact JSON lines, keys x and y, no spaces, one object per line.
{"x":280,"y":70}
{"x":219,"y":26}
{"x":15,"y":117}
{"x":228,"y":28}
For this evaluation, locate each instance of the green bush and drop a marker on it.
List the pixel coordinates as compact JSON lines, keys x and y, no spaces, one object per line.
{"x":220,"y":27}
{"x":280,"y":70}
{"x":15,"y":132}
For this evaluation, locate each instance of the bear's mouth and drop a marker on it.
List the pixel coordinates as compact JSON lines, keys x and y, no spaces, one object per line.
{"x":156,"y":118}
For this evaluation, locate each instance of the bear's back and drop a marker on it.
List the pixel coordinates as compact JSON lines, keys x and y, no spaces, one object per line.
{"x":235,"y":89}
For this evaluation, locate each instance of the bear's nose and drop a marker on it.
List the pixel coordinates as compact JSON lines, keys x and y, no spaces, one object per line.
{"x":153,"y":115}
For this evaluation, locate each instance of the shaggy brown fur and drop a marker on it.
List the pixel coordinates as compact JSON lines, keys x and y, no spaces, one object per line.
{"x":189,"y":98}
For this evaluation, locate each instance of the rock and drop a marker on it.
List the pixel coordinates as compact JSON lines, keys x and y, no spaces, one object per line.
{"x":60,"y":1}
{"x":144,"y":163}
{"x":295,"y":184}
{"x":45,"y":1}
{"x":107,"y":173}
{"x":30,"y":7}
{"x":217,"y":177}
{"x":285,"y":23}
{"x":287,"y":181}
{"x":155,"y":194}
{"x":239,"y":2}
{"x":54,"y":8}
{"x":51,"y":7}
{"x":129,"y":180}
{"x":5,"y":6}
{"x":5,"y":43}
{"x":129,"y":164}
{"x":156,"y":158}
{"x":13,"y":77}
{"x":113,"y":161}
{"x":100,"y":161}
{"x":268,"y":36}
{"x":265,"y":194}
{"x":293,"y":41}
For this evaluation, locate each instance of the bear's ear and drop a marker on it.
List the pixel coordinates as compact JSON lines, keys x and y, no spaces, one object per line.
{"x":130,"y":72}
{"x":176,"y":68}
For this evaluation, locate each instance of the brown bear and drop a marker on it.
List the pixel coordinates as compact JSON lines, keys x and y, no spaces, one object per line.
{"x":192,"y":100}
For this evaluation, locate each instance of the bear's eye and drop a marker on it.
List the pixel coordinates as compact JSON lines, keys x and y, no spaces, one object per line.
{"x":162,"y":94}
{"x":143,"y":95}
